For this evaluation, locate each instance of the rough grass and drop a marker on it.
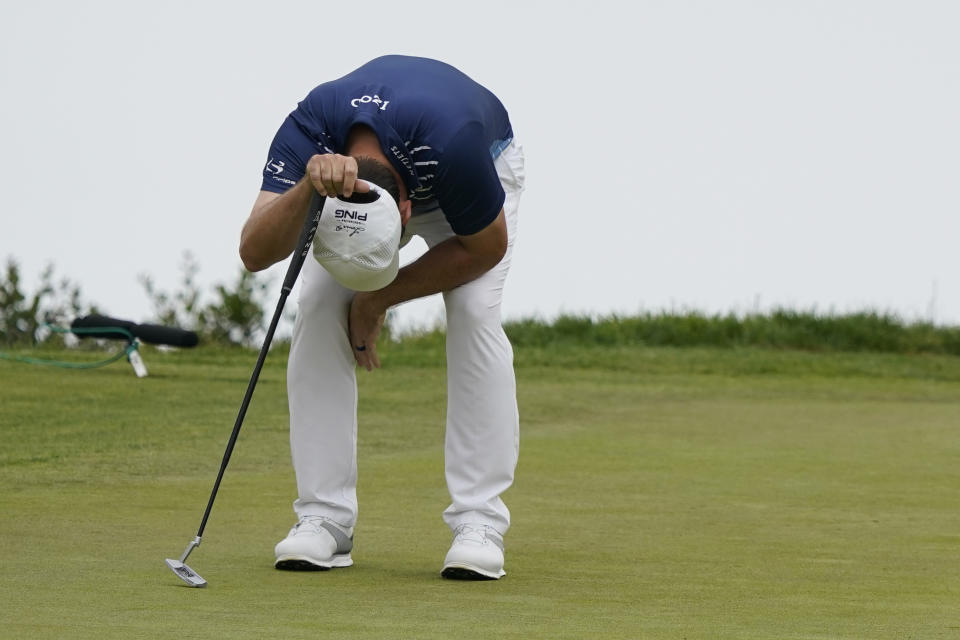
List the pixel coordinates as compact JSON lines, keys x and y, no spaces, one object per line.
{"x":661,"y":493}
{"x":782,"y":329}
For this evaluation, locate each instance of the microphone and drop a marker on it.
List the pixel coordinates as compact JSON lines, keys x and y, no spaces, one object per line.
{"x":148,"y":333}
{"x":157,"y":334}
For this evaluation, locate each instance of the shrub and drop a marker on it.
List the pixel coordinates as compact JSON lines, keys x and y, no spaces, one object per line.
{"x":235,"y":316}
{"x":22,"y":314}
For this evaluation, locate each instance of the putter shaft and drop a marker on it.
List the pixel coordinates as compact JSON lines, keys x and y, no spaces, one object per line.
{"x":314,"y":211}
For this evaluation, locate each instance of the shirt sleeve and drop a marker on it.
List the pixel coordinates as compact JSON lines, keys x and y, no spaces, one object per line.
{"x":287,"y":160}
{"x":467,"y":185}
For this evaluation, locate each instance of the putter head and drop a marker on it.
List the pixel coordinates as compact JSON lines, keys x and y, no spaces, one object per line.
{"x":185,"y":573}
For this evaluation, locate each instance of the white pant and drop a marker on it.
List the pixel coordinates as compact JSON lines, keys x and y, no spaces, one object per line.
{"x":482,"y":434}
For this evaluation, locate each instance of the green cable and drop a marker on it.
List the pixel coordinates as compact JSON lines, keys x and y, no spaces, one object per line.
{"x":132,"y":346}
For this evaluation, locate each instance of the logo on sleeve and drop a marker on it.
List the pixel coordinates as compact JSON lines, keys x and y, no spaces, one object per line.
{"x":274,"y":168}
{"x":404,"y":159}
{"x":375,"y":99}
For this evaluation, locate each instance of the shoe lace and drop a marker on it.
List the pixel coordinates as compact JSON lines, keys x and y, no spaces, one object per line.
{"x":312,"y":522}
{"x":471,"y":532}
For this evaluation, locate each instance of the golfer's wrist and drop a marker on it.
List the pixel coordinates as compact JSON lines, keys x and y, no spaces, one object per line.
{"x":373,"y":302}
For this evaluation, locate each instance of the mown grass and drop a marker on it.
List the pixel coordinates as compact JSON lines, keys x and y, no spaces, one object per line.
{"x":661,"y":493}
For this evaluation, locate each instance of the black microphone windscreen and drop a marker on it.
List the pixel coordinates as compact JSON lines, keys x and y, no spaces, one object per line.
{"x":102,"y":322}
{"x":156,"y":334}
{"x":149,"y":333}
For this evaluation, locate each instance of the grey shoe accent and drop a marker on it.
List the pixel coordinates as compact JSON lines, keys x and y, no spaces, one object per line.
{"x":495,"y":539}
{"x":344,"y":543}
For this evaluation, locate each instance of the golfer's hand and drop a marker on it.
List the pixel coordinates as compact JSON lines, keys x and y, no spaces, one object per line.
{"x":333,"y":175}
{"x":366,"y":319}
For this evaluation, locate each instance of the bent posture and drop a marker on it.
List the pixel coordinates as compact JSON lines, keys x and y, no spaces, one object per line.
{"x":443,"y":146}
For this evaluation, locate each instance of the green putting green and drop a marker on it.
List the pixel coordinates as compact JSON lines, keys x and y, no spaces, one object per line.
{"x":661,"y":493}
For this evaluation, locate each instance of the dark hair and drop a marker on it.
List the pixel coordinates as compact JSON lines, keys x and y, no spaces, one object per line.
{"x":379,"y":174}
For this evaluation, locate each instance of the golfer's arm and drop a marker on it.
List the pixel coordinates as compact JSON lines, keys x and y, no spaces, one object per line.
{"x":270,"y":233}
{"x":447,"y":265}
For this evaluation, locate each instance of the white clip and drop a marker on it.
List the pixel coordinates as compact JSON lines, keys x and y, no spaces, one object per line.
{"x":138,"y":367}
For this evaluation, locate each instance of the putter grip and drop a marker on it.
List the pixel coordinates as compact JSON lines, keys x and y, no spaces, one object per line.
{"x":314,"y":209}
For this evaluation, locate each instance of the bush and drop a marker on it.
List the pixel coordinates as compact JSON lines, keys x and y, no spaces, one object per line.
{"x":235,"y":316}
{"x":23,"y":314}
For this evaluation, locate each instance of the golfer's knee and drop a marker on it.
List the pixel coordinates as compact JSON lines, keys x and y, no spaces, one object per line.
{"x":466,"y":310}
{"x":324,"y":301}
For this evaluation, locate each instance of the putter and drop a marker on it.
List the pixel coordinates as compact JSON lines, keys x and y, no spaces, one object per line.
{"x":179,"y":567}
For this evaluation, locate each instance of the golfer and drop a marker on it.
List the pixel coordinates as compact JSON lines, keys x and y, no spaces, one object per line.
{"x":442,"y":147}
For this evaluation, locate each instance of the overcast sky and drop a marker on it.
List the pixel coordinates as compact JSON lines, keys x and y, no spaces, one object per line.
{"x":720,"y":156}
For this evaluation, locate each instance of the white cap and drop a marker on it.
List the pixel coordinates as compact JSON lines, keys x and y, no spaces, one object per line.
{"x":359,"y":243}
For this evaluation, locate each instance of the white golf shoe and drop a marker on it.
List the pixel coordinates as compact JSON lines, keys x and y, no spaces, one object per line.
{"x":476,"y":554}
{"x":315,"y":544}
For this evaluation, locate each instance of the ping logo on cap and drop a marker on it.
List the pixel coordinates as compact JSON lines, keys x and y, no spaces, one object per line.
{"x":346,"y":214}
{"x":358,"y":243}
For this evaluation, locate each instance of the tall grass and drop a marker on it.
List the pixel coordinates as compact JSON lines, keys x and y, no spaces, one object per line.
{"x":780,"y":329}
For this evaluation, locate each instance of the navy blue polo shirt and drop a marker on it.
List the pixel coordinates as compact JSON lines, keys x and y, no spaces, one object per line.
{"x":439,"y":129}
